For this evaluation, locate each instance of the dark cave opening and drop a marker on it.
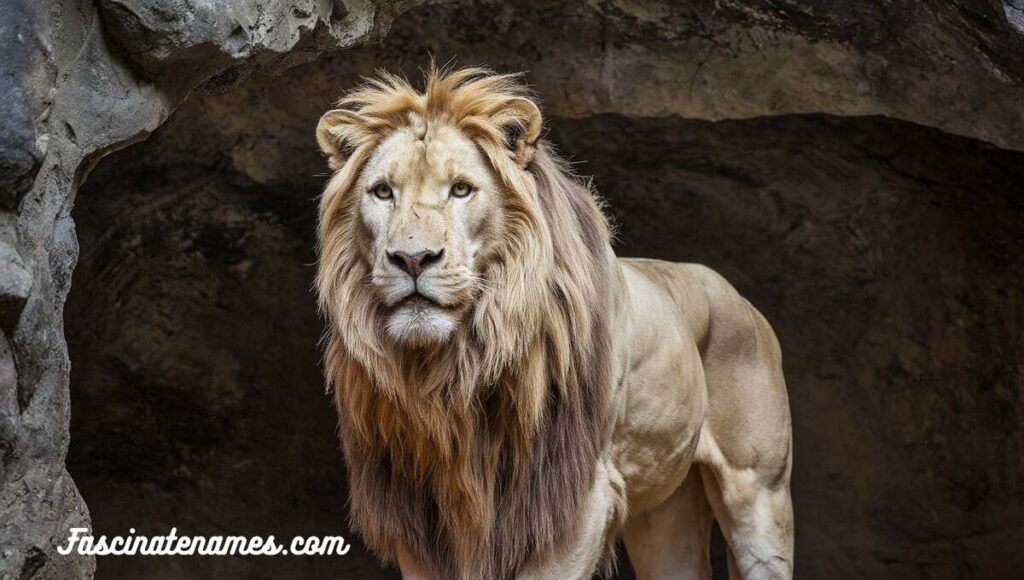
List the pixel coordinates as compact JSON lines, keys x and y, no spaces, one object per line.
{"x":887,"y":256}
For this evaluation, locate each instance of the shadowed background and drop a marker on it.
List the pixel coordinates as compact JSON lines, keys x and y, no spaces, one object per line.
{"x":888,"y":256}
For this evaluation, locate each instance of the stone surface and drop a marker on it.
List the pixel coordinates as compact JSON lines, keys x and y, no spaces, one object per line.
{"x":957,"y":66}
{"x":886,"y":252}
{"x":23,"y":87}
{"x":164,"y":37}
{"x":15,"y":285}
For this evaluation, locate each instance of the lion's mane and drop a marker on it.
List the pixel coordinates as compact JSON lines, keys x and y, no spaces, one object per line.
{"x":478,"y":454}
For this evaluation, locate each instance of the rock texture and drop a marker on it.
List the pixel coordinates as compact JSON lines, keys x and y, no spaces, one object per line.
{"x":79,"y":81}
{"x":956,"y":66}
{"x":855,"y":169}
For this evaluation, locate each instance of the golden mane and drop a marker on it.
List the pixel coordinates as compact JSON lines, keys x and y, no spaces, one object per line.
{"x":476,"y":455}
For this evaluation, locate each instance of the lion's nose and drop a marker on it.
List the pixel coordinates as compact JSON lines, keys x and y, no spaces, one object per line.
{"x":414,"y":264}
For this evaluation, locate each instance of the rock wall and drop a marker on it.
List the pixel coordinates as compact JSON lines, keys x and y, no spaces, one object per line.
{"x":854,"y":170}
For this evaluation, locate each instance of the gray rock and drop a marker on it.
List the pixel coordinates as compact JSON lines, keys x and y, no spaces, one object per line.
{"x":25,"y":83}
{"x":1015,"y":13}
{"x":15,"y":282}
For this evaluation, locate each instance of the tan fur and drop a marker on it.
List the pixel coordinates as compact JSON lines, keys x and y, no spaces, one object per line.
{"x":478,"y":427}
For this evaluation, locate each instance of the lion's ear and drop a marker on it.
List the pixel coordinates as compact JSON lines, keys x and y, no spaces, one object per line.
{"x":522,"y":126}
{"x":331,"y":135}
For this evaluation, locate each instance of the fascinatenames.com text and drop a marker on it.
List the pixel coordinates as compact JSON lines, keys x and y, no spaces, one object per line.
{"x":81,"y":541}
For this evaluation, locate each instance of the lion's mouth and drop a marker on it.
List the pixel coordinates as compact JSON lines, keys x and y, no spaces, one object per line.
{"x":420,"y":302}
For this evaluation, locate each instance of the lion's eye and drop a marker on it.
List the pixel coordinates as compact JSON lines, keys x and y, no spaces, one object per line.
{"x":461,"y":189}
{"x":382,"y":191}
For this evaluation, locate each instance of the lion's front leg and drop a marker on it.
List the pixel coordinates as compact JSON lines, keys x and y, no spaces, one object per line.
{"x":602,"y":520}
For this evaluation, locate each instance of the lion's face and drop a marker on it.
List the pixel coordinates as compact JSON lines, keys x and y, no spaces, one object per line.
{"x":429,"y":218}
{"x":449,"y":225}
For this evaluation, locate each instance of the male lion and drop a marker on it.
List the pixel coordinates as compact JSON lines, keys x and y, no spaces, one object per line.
{"x":513,"y":397}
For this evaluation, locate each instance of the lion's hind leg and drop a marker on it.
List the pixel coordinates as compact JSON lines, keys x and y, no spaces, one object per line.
{"x":672,"y":540}
{"x":756,"y":517}
{"x":745,"y":451}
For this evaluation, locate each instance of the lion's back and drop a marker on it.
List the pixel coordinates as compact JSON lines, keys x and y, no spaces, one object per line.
{"x":705,"y":299}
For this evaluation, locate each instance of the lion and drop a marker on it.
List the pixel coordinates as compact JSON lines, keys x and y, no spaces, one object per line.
{"x":512,"y":397}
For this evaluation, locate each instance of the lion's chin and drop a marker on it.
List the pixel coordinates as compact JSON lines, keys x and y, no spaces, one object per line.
{"x":420,"y":322}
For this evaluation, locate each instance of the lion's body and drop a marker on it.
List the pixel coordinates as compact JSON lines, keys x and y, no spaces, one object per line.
{"x":701,"y":399}
{"x":514,"y":409}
